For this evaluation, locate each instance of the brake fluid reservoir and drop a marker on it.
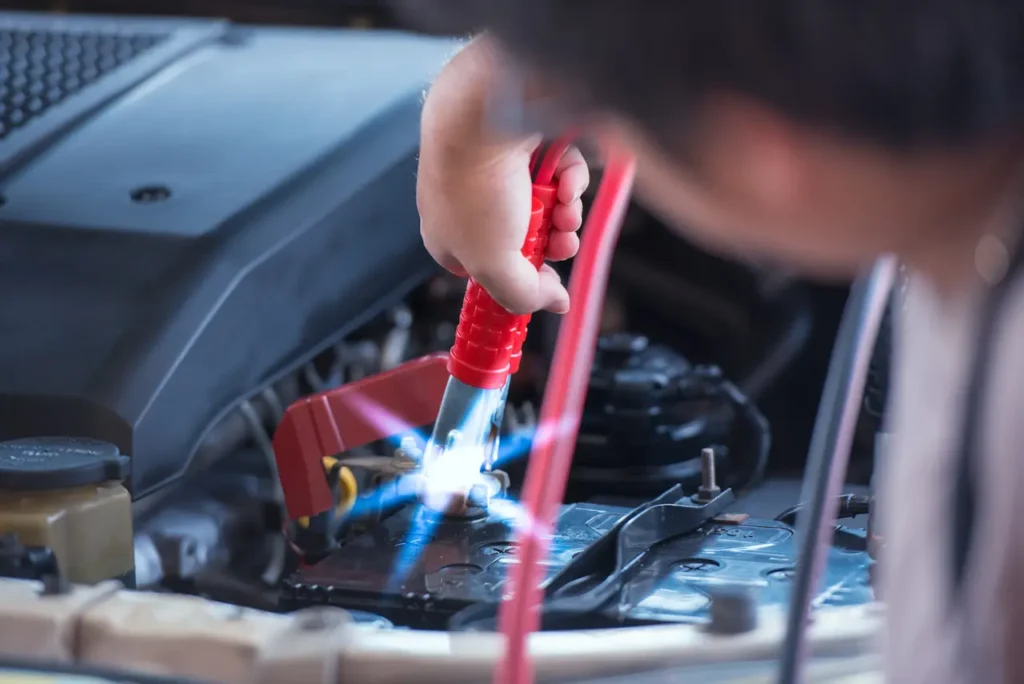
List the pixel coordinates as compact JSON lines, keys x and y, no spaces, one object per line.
{"x":66,"y":494}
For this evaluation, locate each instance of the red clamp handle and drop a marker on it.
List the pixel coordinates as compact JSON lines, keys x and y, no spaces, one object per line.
{"x":348,"y":417}
{"x":489,"y":340}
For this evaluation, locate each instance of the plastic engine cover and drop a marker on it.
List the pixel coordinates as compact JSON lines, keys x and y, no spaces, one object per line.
{"x":190,"y":210}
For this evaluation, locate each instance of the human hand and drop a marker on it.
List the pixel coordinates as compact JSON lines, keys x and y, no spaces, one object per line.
{"x":474,"y":192}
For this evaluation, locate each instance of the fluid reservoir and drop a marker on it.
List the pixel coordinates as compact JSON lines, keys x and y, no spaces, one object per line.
{"x":66,"y":494}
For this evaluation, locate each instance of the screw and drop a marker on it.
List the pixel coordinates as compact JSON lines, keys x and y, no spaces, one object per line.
{"x":707,"y":468}
{"x":708,"y":489}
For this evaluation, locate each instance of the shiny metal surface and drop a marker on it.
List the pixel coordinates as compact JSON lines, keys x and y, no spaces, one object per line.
{"x":758,"y":555}
{"x":464,"y":442}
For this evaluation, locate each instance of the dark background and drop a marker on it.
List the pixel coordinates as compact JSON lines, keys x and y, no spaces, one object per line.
{"x":361,"y":13}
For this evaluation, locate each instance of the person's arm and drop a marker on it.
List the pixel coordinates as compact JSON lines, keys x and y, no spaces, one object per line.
{"x":1007,"y":402}
{"x":474,"y":188}
{"x":997,"y":553}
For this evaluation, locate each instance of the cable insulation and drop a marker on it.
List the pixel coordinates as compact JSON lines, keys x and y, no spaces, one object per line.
{"x":552,"y":157}
{"x":554,"y":443}
{"x":829,"y":453}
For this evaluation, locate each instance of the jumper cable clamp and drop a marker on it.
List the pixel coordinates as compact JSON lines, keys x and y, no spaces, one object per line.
{"x":487,"y":352}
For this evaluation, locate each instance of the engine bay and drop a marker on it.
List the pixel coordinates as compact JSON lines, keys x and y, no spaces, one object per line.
{"x":226,"y":347}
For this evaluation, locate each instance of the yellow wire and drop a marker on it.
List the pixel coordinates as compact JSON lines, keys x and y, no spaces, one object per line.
{"x":348,"y":489}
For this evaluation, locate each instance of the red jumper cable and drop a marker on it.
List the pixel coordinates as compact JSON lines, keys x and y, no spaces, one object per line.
{"x":554,"y":444}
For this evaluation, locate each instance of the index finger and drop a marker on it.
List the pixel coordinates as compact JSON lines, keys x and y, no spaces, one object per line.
{"x":573,"y":176}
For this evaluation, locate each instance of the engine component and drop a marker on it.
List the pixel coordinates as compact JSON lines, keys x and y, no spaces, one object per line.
{"x":65,"y":495}
{"x":649,"y":414}
{"x":392,"y":482}
{"x":421,"y":570}
{"x":220,"y":523}
{"x":241,"y":227}
{"x":590,"y":586}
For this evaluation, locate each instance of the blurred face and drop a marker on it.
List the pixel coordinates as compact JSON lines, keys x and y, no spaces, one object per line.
{"x":756,"y":187}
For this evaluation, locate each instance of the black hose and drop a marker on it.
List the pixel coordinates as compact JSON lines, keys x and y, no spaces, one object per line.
{"x":848,"y":506}
{"x":830,"y":450}
{"x":786,"y":348}
{"x":760,"y":431}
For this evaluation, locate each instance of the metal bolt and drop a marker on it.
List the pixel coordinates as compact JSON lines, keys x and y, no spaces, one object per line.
{"x":707,"y":468}
{"x":408,"y":451}
{"x":709,"y":488}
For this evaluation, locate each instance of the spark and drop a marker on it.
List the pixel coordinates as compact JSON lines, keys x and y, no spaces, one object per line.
{"x":447,"y":472}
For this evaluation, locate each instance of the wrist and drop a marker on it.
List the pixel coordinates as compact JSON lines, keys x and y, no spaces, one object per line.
{"x":455,"y":128}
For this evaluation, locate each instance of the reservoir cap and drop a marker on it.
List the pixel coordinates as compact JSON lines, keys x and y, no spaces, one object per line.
{"x":46,"y":463}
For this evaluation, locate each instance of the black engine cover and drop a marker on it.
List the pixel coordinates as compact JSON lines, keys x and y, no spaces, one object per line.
{"x":191,"y":210}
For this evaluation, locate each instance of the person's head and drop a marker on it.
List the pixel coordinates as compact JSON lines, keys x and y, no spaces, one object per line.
{"x":816,"y":132}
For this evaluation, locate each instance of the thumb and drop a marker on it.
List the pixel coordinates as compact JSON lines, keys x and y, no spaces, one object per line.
{"x":553,"y":294}
{"x":519,"y":287}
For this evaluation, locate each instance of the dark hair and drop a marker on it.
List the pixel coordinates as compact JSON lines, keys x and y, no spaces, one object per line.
{"x":897,"y":72}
